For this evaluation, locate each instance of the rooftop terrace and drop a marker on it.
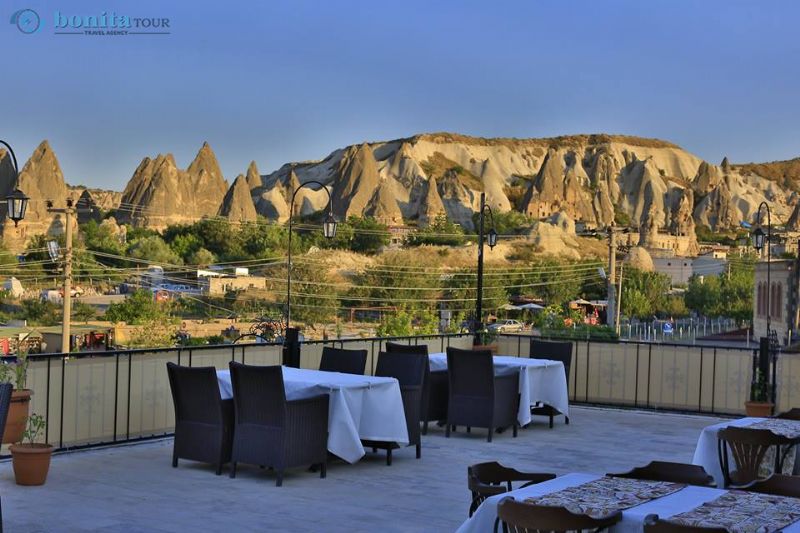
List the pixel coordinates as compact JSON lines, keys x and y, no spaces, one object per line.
{"x":133,"y":487}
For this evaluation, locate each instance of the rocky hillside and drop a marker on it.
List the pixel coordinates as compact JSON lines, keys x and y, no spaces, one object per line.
{"x":648,"y":184}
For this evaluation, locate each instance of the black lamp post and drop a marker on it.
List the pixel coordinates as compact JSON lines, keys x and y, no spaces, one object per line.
{"x":491,"y":239}
{"x":17,"y":200}
{"x":759,"y":242}
{"x":328,"y":229}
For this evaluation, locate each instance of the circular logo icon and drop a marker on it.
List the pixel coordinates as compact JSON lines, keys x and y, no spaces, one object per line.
{"x":27,"y":20}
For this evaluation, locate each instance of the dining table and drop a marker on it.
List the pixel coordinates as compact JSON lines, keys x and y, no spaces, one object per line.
{"x":360,"y":407}
{"x":540,"y":381}
{"x":666,"y":500}
{"x":706,"y":452}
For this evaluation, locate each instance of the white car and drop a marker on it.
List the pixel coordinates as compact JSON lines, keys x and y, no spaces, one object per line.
{"x":506,"y":326}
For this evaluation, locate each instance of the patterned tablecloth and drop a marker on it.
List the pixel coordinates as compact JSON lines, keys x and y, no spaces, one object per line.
{"x":706,"y":454}
{"x":606,"y":496}
{"x":743,"y":512}
{"x":785,"y":428}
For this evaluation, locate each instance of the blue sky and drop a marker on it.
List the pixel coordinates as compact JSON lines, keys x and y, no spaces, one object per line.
{"x":280,"y":81}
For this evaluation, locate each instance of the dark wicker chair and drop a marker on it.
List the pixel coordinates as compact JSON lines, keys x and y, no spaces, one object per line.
{"x":478,"y":398}
{"x":672,"y":472}
{"x":272,"y":431}
{"x":653,"y":524}
{"x":344,"y":361}
{"x":5,"y":404}
{"x":523,"y":517}
{"x":203,"y":420}
{"x":791,"y":414}
{"x":555,"y":351}
{"x":778,"y":485}
{"x":434,"y":388}
{"x":748,"y":448}
{"x":409,"y":370}
{"x":489,"y":479}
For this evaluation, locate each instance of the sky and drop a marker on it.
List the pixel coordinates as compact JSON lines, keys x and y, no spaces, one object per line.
{"x":288,"y":80}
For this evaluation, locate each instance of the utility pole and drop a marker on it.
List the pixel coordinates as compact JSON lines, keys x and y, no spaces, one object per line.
{"x":619,"y":297}
{"x":68,"y":212}
{"x":611,"y":310}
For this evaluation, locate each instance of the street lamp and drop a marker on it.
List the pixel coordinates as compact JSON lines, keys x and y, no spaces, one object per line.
{"x":758,"y":243}
{"x":491,"y":239}
{"x":17,"y":200}
{"x":328,"y":229}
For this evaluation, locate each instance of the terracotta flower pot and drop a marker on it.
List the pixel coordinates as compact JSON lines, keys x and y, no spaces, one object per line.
{"x":17,"y":415}
{"x":491,"y":347}
{"x":31,"y":462}
{"x":759,"y":409}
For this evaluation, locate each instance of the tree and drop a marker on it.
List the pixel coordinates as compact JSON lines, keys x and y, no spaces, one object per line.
{"x":137,"y":309}
{"x":83,"y":312}
{"x":462,"y":288}
{"x":440,"y":232}
{"x":315,"y":298}
{"x":505,"y":222}
{"x":155,"y":250}
{"x":362,"y":234}
{"x":722,"y":295}
{"x":202,"y":258}
{"x":39,"y":312}
{"x":396,"y":279}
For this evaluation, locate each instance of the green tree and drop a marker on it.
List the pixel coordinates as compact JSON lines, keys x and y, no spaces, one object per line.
{"x":440,"y":232}
{"x":505,"y":222}
{"x":137,"y":309}
{"x":39,"y":312}
{"x":202,"y":258}
{"x":396,"y":280}
{"x":155,"y":250}
{"x":367,"y":235}
{"x":83,"y":312}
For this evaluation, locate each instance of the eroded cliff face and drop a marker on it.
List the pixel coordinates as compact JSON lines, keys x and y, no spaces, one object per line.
{"x":159,"y":193}
{"x":650,"y":185}
{"x":41,"y":179}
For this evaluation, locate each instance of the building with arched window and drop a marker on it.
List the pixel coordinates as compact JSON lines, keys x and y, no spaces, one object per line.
{"x":777,"y":299}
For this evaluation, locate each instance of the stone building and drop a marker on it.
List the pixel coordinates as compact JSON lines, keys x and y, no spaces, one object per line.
{"x":778,"y":299}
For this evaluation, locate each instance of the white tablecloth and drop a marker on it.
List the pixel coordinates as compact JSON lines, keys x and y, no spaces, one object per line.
{"x":632,"y":519}
{"x":361,"y":407}
{"x":706,"y":455}
{"x":540,"y":380}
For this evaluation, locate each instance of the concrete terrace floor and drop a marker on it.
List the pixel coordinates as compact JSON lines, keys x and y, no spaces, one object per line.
{"x":133,"y":488}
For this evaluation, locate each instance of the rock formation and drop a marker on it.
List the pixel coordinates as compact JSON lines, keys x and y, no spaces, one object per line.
{"x":640,"y":259}
{"x":253,"y":177}
{"x":42,"y":180}
{"x":645,"y":184}
{"x":237,"y":206}
{"x":159,"y":193}
{"x":356,"y":182}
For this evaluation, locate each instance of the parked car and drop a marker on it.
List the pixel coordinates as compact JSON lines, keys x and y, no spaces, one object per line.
{"x":506,"y":326}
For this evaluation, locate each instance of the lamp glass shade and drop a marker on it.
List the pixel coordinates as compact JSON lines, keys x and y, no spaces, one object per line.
{"x":329,"y":227}
{"x":17,"y":205}
{"x":491,"y":238}
{"x":758,"y":238}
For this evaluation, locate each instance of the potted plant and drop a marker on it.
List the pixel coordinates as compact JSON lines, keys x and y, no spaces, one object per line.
{"x":31,"y":459}
{"x":487,"y":339}
{"x":760,"y":405}
{"x":20,"y":397}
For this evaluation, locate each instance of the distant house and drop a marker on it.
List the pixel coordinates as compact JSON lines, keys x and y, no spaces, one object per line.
{"x":218,"y":282}
{"x":680,"y":269}
{"x":776,"y":299}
